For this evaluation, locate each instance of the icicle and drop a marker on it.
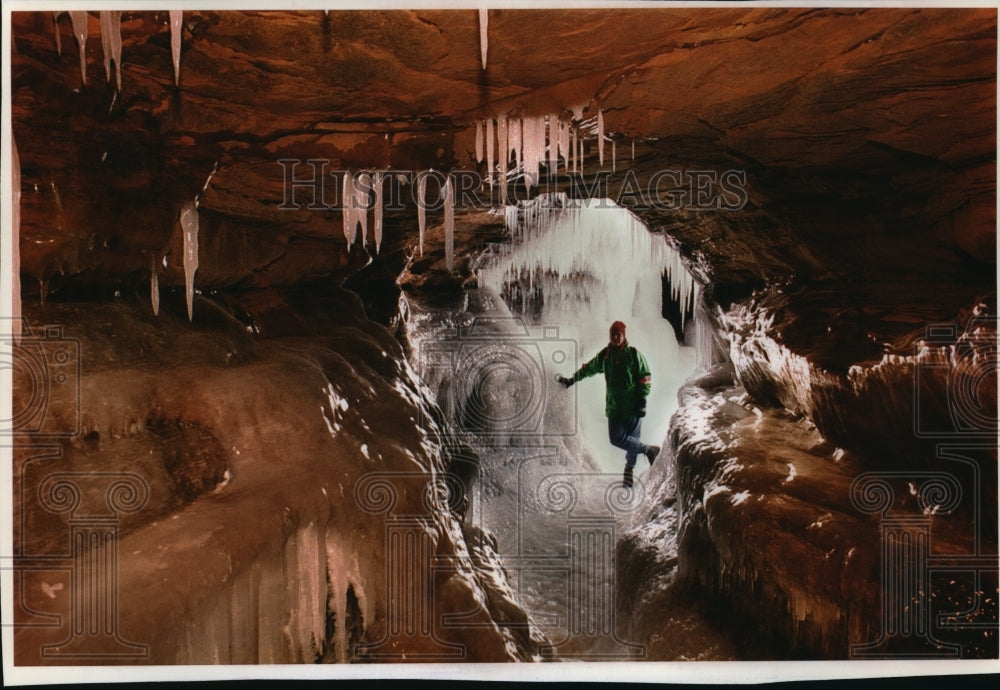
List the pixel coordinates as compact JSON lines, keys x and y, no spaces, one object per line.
{"x":79,"y":20}
{"x":503,"y":146}
{"x":189,"y":226}
{"x":600,"y":136}
{"x":15,"y":246}
{"x":154,"y":289}
{"x":553,"y":143}
{"x":572,"y":144}
{"x":483,"y":34}
{"x":479,"y":141}
{"x":361,"y":203}
{"x":564,"y":142}
{"x":633,"y":149}
{"x":489,"y":147}
{"x":350,"y":219}
{"x":449,"y":224}
{"x":614,"y":155}
{"x":377,"y":184}
{"x":422,"y":209}
{"x":55,"y":22}
{"x":176,"y":26}
{"x":111,"y":44}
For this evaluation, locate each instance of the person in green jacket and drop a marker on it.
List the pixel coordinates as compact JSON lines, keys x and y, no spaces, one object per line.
{"x":628,"y":382}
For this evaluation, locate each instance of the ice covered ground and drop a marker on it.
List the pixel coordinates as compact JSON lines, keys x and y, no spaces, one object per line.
{"x":240,"y":499}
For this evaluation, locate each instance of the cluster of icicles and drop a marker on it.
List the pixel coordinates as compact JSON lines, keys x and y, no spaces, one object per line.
{"x":111,"y":41}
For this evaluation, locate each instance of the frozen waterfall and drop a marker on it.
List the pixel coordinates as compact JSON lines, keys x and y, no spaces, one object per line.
{"x":579,"y":266}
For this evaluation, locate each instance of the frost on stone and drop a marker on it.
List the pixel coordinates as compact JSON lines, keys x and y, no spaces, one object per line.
{"x":111,"y":43}
{"x":483,"y":34}
{"x":600,"y":136}
{"x":79,"y":20}
{"x":422,"y":209}
{"x":449,"y":223}
{"x":189,"y":228}
{"x":176,"y":24}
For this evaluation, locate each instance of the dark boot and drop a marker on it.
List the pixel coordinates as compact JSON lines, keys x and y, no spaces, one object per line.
{"x":627,"y":481}
{"x":652,"y":453}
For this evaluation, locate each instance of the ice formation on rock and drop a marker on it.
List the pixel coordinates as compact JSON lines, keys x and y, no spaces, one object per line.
{"x":483,"y":34}
{"x":79,"y":20}
{"x":553,"y":142}
{"x":422,"y":209}
{"x":503,"y":147}
{"x":176,"y":25}
{"x":449,"y":223}
{"x":377,"y":185}
{"x":111,"y":43}
{"x":515,"y":134}
{"x":479,"y":141}
{"x":533,"y":148}
{"x":189,"y":227}
{"x":600,"y":136}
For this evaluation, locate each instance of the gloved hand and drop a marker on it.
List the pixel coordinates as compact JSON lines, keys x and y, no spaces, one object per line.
{"x":641,"y":412}
{"x":564,"y":381}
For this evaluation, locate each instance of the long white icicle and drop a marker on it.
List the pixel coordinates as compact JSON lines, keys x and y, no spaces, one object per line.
{"x":79,"y":20}
{"x":189,"y":226}
{"x":176,"y":25}
{"x":600,"y":136}
{"x":484,"y":20}
{"x":111,"y":43}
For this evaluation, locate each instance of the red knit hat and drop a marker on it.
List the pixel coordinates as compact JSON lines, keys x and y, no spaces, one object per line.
{"x":618,"y":326}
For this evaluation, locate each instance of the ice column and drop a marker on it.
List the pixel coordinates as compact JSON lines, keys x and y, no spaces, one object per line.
{"x":111,"y":43}
{"x":189,"y":226}
{"x":377,"y":184}
{"x":483,"y":34}
{"x":449,"y":223}
{"x":176,"y":25}
{"x":600,"y":136}
{"x":79,"y":20}
{"x":422,"y":208}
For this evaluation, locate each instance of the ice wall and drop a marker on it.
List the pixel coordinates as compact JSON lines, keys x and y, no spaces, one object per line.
{"x":580,"y":265}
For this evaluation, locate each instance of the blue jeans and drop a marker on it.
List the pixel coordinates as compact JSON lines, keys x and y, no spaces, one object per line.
{"x":624,"y":434}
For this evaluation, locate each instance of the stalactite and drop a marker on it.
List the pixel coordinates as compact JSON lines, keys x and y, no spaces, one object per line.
{"x":362,"y":183}
{"x":479,"y":141}
{"x":189,"y":227}
{"x":633,"y":149}
{"x":350,"y":219}
{"x":483,"y":34}
{"x":176,"y":26}
{"x":503,"y":147}
{"x":614,"y":155}
{"x":79,"y":20}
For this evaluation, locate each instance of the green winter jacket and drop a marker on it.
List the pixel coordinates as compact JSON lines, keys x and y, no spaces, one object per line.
{"x":627,"y":376}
